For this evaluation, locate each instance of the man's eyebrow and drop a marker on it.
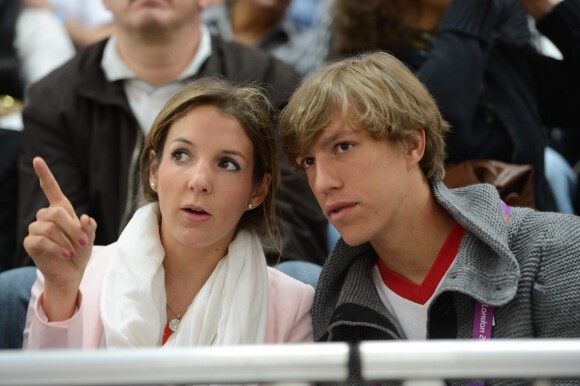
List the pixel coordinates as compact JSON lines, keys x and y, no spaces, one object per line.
{"x":325,"y":142}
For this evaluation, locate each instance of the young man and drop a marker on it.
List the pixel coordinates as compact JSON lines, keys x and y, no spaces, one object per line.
{"x":417,"y":260}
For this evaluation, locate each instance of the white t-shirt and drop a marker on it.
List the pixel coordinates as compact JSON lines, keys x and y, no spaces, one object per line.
{"x":409,"y":302}
{"x":411,"y":316}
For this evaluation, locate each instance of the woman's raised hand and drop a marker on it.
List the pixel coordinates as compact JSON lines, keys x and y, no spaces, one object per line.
{"x":60,"y":243}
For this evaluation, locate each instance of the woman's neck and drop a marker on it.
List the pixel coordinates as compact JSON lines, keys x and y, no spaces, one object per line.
{"x":187,"y":269}
{"x":184,"y":279}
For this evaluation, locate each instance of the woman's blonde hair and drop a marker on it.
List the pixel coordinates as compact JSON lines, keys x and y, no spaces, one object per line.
{"x":251,"y":108}
{"x":373,"y":91}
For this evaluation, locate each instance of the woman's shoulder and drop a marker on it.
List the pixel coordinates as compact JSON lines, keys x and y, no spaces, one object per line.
{"x":289,"y":306}
{"x":280,"y":284}
{"x":102,"y":254}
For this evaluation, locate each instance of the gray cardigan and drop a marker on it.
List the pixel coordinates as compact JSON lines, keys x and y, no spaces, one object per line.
{"x":528,"y":269}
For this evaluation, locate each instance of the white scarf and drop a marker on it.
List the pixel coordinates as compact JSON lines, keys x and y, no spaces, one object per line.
{"x":230,"y":308}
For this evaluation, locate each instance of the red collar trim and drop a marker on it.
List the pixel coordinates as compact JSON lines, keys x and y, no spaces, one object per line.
{"x":166,"y":333}
{"x":421,"y":293}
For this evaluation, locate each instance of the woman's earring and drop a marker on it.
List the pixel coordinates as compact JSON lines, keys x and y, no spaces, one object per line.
{"x":153,"y":185}
{"x":250,"y":207}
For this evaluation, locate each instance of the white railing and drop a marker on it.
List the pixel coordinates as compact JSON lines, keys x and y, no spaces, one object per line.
{"x":418,"y":363}
{"x":539,"y":359}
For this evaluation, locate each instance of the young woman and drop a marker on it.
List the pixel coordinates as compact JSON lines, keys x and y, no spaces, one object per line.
{"x":189,"y":268}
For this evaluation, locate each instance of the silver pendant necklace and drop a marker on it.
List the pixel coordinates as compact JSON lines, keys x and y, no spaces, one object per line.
{"x":174,"y":323}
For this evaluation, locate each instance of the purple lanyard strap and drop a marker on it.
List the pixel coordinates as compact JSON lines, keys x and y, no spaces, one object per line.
{"x":483,"y":314}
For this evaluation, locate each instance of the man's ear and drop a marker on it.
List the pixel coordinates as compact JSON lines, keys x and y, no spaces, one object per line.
{"x":415,"y":147}
{"x":261,"y":190}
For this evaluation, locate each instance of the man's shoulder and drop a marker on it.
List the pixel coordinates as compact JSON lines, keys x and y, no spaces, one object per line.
{"x":243,"y":64}
{"x":551,"y":227}
{"x":251,"y":59}
{"x":82,"y":66}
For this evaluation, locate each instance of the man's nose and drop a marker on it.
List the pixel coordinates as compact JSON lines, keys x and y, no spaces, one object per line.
{"x":325,"y":177}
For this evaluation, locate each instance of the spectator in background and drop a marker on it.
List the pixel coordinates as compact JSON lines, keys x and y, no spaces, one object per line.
{"x":86,"y":21}
{"x":11,"y":91}
{"x":564,"y":140}
{"x":33,"y":44}
{"x":304,"y":13}
{"x":11,"y":81}
{"x":499,"y":94}
{"x":319,"y":47}
{"x":42,"y":41}
{"x":10,"y":141}
{"x":262,"y":25}
{"x":101,"y":106}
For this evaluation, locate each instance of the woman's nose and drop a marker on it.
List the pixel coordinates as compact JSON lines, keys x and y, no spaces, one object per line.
{"x":200,"y":178}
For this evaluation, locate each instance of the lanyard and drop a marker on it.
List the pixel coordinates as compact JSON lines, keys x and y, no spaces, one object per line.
{"x":482,"y":324}
{"x":483,"y":314}
{"x":482,"y":321}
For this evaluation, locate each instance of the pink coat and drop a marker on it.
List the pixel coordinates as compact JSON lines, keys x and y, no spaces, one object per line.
{"x":289,"y":304}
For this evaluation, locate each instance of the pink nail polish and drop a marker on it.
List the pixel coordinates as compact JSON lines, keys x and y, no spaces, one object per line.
{"x":65,"y":254}
{"x":83,"y":241}
{"x":73,"y":254}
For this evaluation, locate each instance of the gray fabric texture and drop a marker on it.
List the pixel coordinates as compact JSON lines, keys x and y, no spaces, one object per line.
{"x":527,"y":269}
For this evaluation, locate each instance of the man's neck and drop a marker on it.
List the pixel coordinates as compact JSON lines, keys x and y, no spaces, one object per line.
{"x":411,"y":249}
{"x":159,"y":60}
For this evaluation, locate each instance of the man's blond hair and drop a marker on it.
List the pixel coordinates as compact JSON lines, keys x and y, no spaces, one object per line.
{"x":373,"y":91}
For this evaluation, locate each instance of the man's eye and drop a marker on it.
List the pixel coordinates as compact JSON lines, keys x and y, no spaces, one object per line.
{"x":229,"y":164}
{"x":342,"y":147}
{"x":306,"y":162}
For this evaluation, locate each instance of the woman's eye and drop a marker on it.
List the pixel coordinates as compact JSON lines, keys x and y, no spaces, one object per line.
{"x":180,"y":156}
{"x":229,"y":164}
{"x":343,"y":147}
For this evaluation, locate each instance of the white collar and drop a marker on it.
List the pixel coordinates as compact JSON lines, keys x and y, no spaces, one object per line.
{"x":115,"y":67}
